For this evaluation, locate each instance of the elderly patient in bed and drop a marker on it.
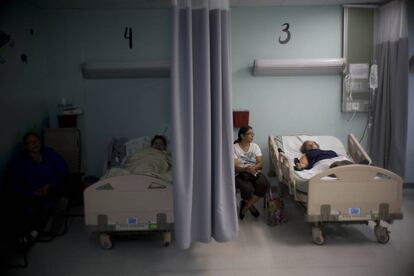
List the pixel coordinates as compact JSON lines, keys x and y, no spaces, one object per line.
{"x":312,"y":154}
{"x":153,"y":161}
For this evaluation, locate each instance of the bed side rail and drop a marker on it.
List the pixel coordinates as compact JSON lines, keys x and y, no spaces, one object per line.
{"x":357,"y":152}
{"x":274,"y":165}
{"x":282,"y":165}
{"x":286,"y":167}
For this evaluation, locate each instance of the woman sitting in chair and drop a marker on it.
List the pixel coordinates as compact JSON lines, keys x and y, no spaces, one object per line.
{"x":248,"y":164}
{"x":37,"y":175}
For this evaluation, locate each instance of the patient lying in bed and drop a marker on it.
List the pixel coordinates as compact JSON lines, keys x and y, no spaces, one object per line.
{"x":153,"y":161}
{"x":312,"y":154}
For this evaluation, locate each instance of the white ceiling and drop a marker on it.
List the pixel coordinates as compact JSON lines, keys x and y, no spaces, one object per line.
{"x":128,"y":4}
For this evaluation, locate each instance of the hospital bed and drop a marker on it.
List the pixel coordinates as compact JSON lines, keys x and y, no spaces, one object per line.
{"x":126,"y":202}
{"x":346,"y":194}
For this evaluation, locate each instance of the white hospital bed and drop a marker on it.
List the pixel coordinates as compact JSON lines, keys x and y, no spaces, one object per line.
{"x":357,"y":194}
{"x":129,"y":203}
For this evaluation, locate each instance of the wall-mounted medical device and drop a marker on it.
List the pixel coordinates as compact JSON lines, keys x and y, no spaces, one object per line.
{"x":358,"y":52}
{"x":356,"y":89}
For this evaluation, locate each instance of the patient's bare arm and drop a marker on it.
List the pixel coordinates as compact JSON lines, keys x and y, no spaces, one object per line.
{"x":301,"y":163}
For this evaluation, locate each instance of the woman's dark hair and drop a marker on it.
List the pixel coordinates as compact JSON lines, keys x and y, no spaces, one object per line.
{"x":161,"y":137}
{"x":27,"y":135}
{"x":242,"y":131}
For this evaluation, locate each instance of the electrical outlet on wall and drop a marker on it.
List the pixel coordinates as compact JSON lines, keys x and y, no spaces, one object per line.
{"x":355,"y":106}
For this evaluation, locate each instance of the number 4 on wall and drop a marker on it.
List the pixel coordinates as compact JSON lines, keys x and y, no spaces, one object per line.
{"x":128,"y":35}
{"x":286,"y":30}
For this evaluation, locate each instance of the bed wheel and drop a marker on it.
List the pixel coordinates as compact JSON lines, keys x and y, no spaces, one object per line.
{"x":382,"y":234}
{"x":166,"y":236}
{"x":105,"y":241}
{"x":317,"y":236}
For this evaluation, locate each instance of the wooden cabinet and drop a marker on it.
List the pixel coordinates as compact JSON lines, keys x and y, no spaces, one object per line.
{"x":66,"y":141}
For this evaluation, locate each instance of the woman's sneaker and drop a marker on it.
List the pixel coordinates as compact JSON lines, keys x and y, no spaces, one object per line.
{"x":254,"y":211}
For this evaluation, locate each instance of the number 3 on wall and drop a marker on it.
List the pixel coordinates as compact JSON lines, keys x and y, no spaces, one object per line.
{"x":286,"y":30}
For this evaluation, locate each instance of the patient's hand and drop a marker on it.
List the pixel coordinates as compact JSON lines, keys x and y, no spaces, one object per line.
{"x":298,"y":166}
{"x":301,"y":163}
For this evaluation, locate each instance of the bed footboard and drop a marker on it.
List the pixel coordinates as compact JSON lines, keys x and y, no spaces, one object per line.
{"x":128,"y":203}
{"x":357,"y":193}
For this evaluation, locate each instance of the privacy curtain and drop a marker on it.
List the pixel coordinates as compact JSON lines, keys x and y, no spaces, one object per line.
{"x":203,"y":172}
{"x":390,"y":110}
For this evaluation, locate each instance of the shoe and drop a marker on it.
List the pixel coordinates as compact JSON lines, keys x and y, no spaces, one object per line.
{"x":44,"y":237}
{"x":26,"y":241}
{"x":254,"y":211}
{"x":242,"y":204}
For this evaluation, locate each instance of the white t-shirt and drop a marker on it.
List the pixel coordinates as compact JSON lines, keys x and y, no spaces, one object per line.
{"x":246,"y":157}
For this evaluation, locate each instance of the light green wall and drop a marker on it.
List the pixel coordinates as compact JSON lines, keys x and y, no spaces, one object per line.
{"x":63,"y":39}
{"x":23,"y":99}
{"x":294,"y":104}
{"x":112,"y":107}
{"x":278,"y":105}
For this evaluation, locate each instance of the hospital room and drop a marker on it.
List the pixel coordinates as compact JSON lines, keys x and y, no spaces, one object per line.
{"x":207,"y":137}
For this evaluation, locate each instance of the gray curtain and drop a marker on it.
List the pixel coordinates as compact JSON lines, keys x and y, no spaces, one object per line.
{"x":203,"y":172}
{"x":390,"y":110}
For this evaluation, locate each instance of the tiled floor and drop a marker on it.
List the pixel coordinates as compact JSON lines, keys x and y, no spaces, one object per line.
{"x":259,"y":250}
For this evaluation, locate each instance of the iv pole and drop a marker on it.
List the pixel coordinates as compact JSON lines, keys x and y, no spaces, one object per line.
{"x":373,"y":84}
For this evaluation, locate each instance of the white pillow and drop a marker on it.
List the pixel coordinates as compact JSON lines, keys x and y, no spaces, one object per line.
{"x":332,"y":143}
{"x":133,"y":145}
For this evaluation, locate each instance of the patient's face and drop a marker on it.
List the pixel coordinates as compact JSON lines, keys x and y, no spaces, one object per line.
{"x":159,"y":144}
{"x":309,"y":145}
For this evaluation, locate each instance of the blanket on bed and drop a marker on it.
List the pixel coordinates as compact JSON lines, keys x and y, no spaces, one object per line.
{"x":147,"y":161}
{"x":319,"y":167}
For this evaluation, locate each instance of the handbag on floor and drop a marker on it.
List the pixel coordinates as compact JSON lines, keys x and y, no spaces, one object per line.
{"x":274,"y":210}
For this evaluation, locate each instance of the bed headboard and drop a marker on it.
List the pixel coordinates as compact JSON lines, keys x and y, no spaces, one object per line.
{"x":136,"y":144}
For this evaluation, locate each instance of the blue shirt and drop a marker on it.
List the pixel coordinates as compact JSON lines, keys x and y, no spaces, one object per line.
{"x":29,"y":175}
{"x":315,"y":155}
